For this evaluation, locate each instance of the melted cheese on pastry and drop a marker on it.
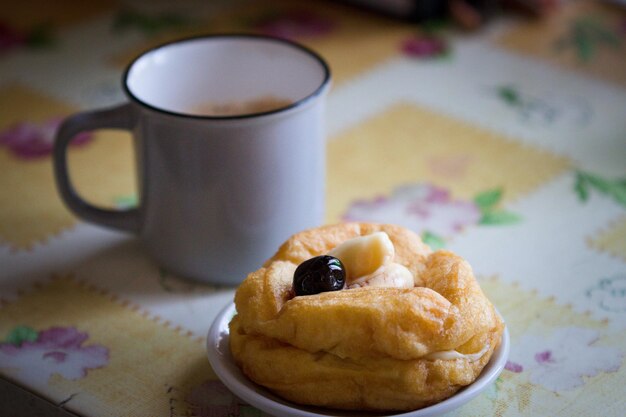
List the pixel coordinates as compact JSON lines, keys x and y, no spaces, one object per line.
{"x":369,"y":262}
{"x":448,"y":355}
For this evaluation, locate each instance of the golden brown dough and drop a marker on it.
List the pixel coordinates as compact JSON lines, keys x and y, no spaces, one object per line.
{"x":363,"y":348}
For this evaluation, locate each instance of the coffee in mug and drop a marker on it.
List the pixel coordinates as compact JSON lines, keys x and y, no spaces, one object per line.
{"x":257,"y":105}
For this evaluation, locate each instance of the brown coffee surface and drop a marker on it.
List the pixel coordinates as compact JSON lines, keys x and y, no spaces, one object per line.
{"x":234,"y":108}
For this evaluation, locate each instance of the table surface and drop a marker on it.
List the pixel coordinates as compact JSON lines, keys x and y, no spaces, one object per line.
{"x":507,"y":146}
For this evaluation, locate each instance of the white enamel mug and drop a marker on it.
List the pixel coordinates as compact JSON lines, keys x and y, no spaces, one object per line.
{"x":217,"y":194}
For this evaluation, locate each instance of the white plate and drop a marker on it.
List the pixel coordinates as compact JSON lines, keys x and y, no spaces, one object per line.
{"x":224,"y":366}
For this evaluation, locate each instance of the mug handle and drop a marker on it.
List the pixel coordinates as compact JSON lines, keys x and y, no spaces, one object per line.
{"x":119,"y":117}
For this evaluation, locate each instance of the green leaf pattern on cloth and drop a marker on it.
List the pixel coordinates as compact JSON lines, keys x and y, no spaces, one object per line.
{"x":432,"y":240}
{"x":586,"y":35}
{"x":499,"y":217}
{"x":487,"y":202}
{"x":148,"y":24}
{"x":21,"y":334}
{"x":615,"y":188}
{"x":488,"y":199}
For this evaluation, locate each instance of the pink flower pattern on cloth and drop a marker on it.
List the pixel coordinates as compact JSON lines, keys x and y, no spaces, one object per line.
{"x":28,"y":140}
{"x":295,"y":24}
{"x":567,"y":357}
{"x":424,"y":46}
{"x":421,"y":208}
{"x":57,"y":350}
{"x":10,"y":38}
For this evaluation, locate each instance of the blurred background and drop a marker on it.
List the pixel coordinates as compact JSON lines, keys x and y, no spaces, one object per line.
{"x":496,"y":129}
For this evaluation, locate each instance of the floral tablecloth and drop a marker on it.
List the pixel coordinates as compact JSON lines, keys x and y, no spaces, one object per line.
{"x":507,"y":146}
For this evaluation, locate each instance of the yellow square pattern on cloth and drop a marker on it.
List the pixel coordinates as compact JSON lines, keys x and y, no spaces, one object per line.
{"x":612,"y":239}
{"x":27,"y":15}
{"x":583,"y":35}
{"x":30,"y":209}
{"x":334,"y":31}
{"x":408,"y":144}
{"x":148,"y":367}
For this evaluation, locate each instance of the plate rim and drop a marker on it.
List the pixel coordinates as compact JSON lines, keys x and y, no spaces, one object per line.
{"x":219,"y":332}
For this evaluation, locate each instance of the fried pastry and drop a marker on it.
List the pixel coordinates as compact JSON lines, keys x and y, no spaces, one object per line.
{"x":409,"y":328}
